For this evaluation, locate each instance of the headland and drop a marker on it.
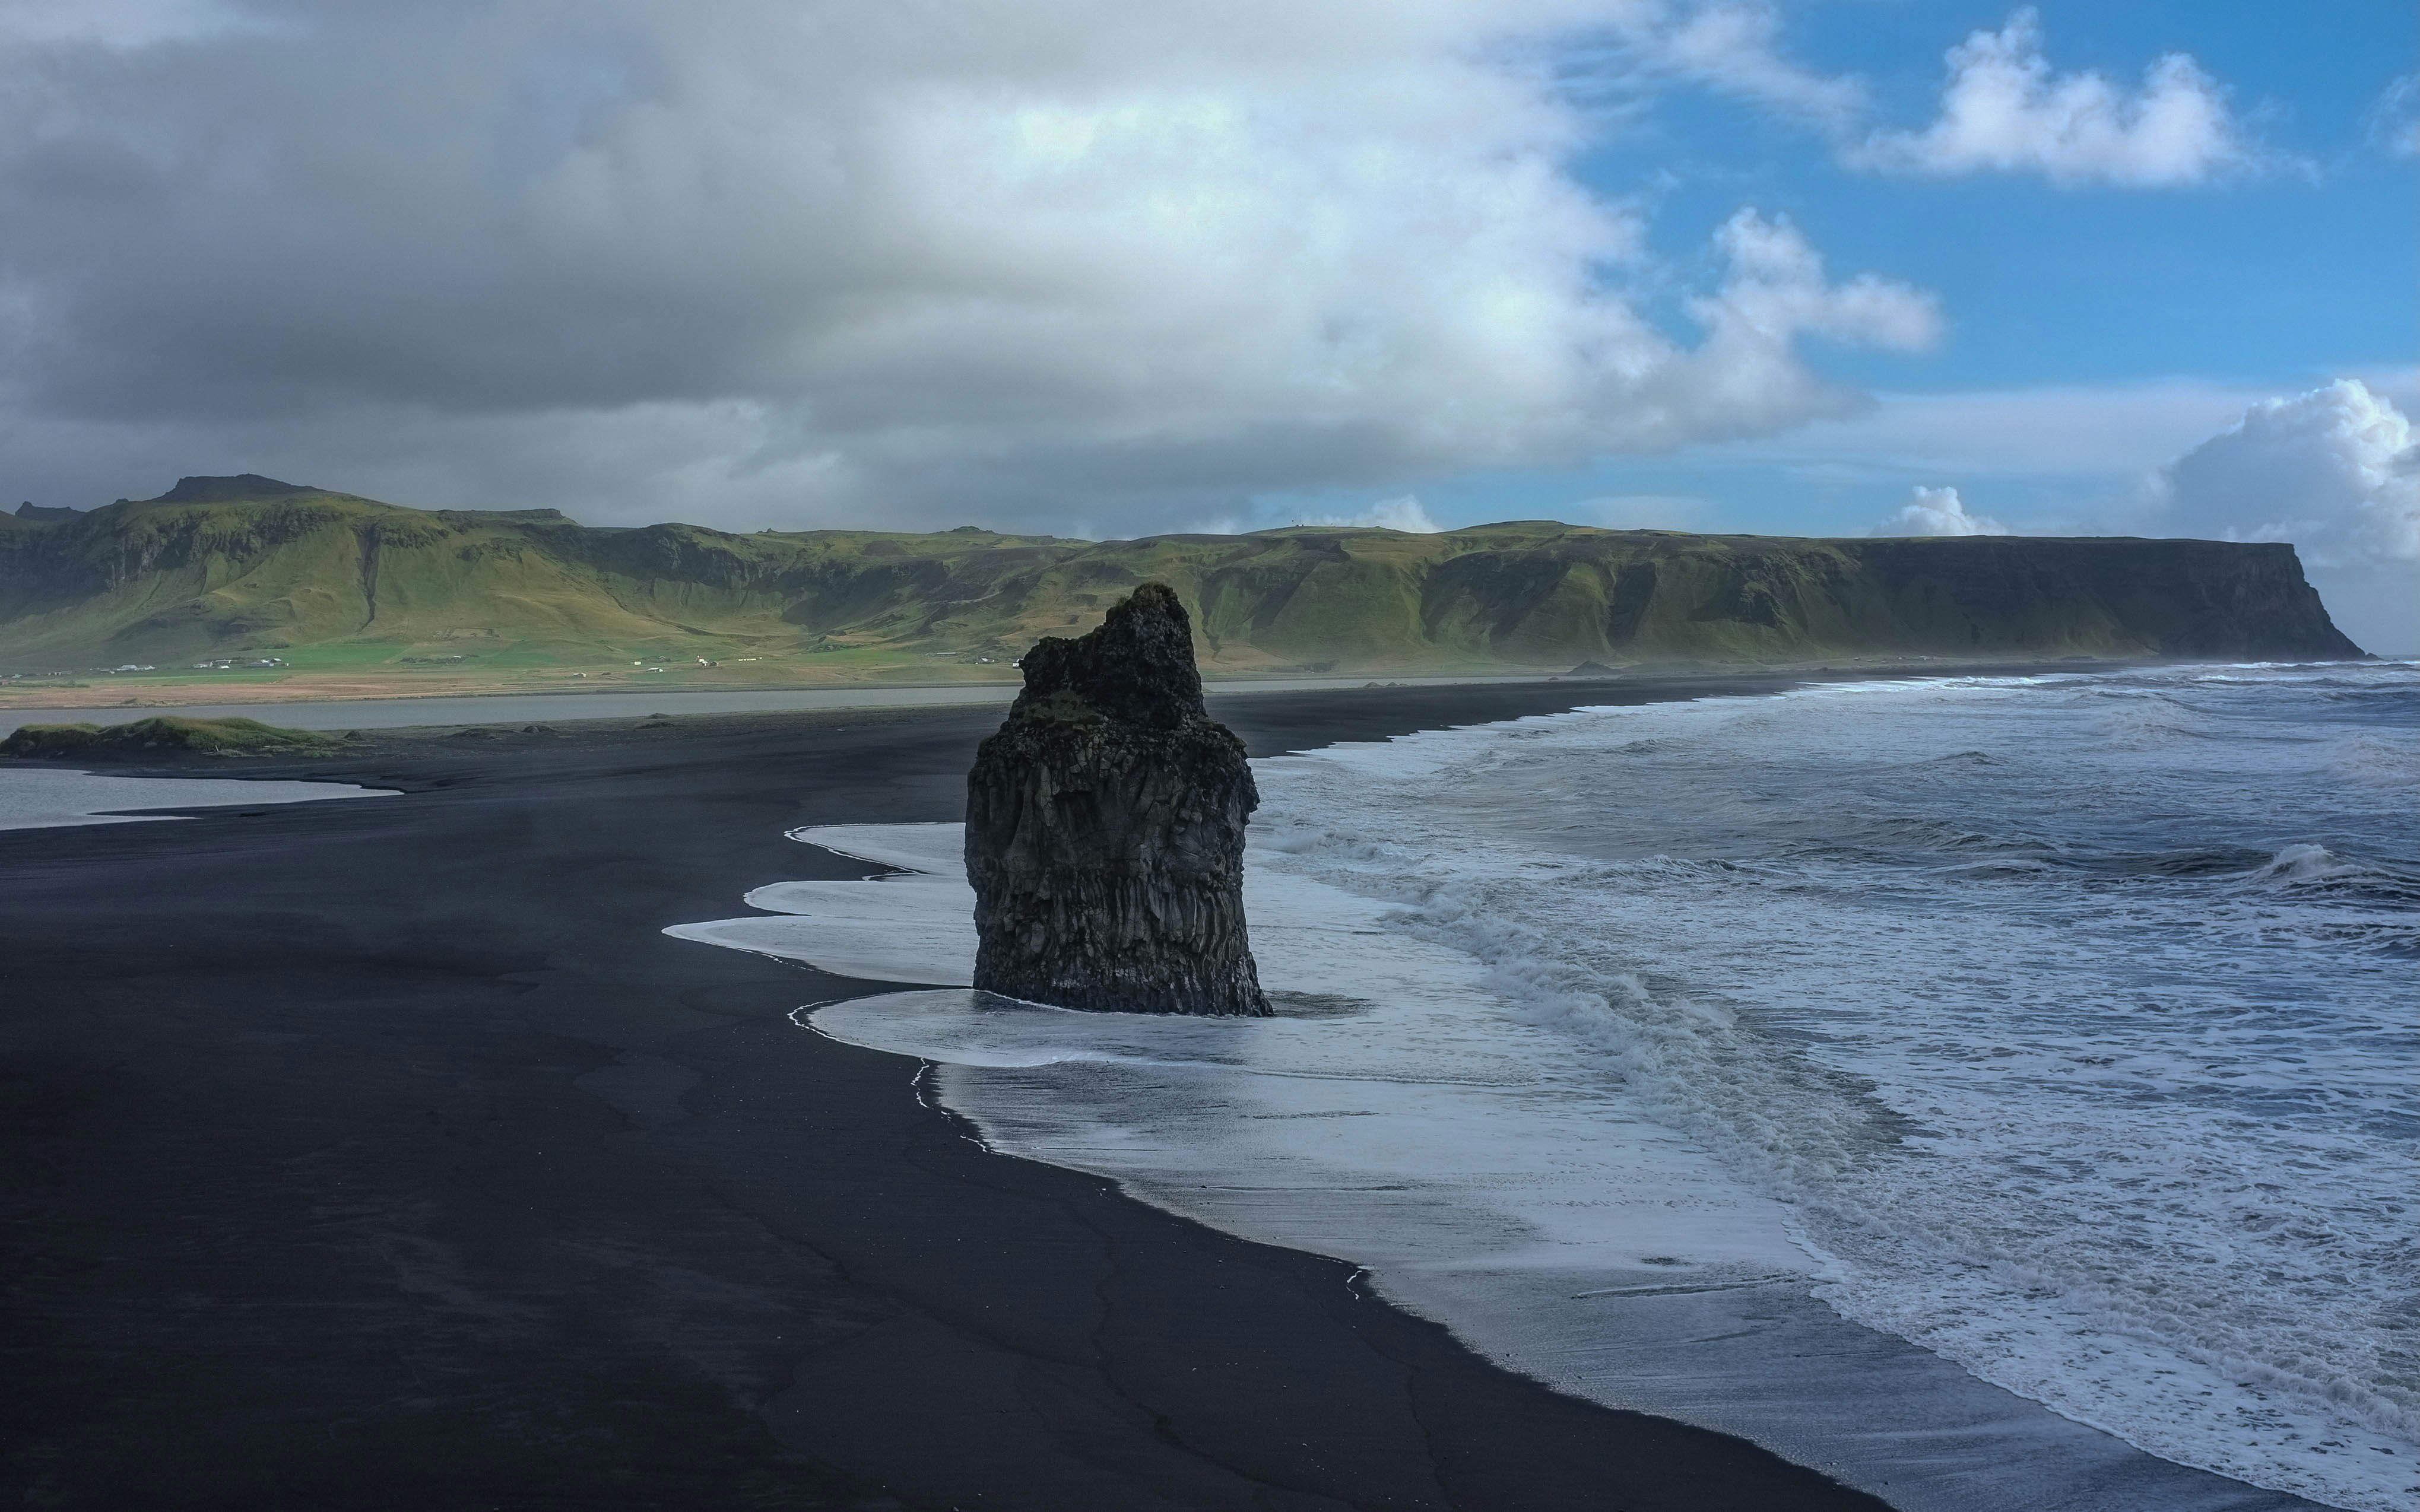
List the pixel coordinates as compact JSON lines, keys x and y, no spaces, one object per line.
{"x":247,"y":589}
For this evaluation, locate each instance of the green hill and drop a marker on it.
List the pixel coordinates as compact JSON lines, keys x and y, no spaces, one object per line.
{"x":212,"y":737}
{"x":220,"y":566}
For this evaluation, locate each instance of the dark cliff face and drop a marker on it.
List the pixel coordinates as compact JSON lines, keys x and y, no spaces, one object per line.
{"x":1661,"y":597}
{"x":1105,"y":828}
{"x":2153,"y":597}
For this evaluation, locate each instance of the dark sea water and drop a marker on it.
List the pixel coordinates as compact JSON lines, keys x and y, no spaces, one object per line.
{"x":1857,"y":1068}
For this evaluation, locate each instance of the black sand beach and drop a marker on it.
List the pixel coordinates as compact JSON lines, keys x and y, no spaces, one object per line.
{"x":384,"y":1155}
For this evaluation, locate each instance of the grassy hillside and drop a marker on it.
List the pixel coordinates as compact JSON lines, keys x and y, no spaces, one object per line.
{"x":143,"y":738}
{"x":222,"y":566}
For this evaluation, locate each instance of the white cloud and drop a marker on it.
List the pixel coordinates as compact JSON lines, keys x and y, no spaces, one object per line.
{"x":1404,"y":514}
{"x":1638,"y":51}
{"x":116,"y":24}
{"x":1746,"y":377}
{"x":2003,"y":110}
{"x":1938,"y":512}
{"x":2400,"y":385}
{"x":1730,"y":48}
{"x":2395,"y":120}
{"x":2335,"y":470}
{"x":2112,"y":433}
{"x":1034,"y":260}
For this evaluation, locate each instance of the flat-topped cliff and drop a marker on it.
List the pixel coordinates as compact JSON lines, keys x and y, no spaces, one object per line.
{"x":224,"y":564}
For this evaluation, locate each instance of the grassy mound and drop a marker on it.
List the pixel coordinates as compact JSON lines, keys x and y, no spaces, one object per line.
{"x":215,"y":737}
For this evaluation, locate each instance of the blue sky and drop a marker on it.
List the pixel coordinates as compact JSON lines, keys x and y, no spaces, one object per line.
{"x":2273,"y":279}
{"x":2173,"y":304}
{"x":2304,"y":267}
{"x":1809,"y":267}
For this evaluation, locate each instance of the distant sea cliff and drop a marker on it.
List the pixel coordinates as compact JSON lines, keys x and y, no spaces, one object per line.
{"x":218,"y":565}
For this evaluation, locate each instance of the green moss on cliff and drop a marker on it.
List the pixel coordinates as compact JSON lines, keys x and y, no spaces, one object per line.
{"x":222,"y":564}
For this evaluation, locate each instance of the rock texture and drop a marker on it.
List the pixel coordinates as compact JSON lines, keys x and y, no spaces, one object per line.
{"x":1105,"y":828}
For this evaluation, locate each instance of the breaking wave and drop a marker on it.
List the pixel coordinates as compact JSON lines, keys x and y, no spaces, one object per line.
{"x":2052,"y":1034}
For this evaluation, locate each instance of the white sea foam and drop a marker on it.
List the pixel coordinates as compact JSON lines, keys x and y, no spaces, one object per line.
{"x":2126,"y":1126}
{"x":2076,"y":1048}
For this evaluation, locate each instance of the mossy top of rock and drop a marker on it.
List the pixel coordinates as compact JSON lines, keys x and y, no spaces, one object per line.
{"x":214,"y":737}
{"x":1136,"y":669}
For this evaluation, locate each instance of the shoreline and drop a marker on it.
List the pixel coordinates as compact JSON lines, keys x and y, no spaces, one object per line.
{"x":209,"y":695}
{"x":22,"y":700}
{"x":404,"y":711}
{"x":594,"y":1214}
{"x":416,"y":711}
{"x":1178,"y":1113}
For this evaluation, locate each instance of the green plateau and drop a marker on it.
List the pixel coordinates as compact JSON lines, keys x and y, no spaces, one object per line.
{"x":211,"y":738}
{"x":304,"y":579}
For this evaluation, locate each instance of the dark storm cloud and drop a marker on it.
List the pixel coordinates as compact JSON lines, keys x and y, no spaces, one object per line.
{"x":760,"y":262}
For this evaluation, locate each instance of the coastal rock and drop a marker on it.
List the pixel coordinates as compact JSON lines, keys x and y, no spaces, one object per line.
{"x":1105,"y":828}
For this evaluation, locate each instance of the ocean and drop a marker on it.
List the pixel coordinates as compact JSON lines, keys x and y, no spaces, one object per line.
{"x":1999,"y":1091}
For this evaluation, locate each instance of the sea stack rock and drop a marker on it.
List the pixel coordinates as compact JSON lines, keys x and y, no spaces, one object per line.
{"x":1105,"y":828}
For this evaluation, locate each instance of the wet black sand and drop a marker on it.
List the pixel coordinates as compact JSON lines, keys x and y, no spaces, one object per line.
{"x":384,"y":1155}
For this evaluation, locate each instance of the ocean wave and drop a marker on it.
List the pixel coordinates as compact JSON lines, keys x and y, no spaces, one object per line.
{"x":2316,"y":871}
{"x":2074,"y":1080}
{"x":2010,"y":867}
{"x":2377,"y":761}
{"x":2304,"y":864}
{"x":2184,"y":863}
{"x":1910,"y":836}
{"x":1836,"y":1145}
{"x":2145,"y":719}
{"x":2067,"y":1021}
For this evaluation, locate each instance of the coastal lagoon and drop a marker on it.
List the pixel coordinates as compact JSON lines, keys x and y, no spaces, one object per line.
{"x":1997,"y":1092}
{"x":38,"y":797}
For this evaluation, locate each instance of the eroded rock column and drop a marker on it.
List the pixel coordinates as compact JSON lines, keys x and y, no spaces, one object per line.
{"x":1105,"y":828}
